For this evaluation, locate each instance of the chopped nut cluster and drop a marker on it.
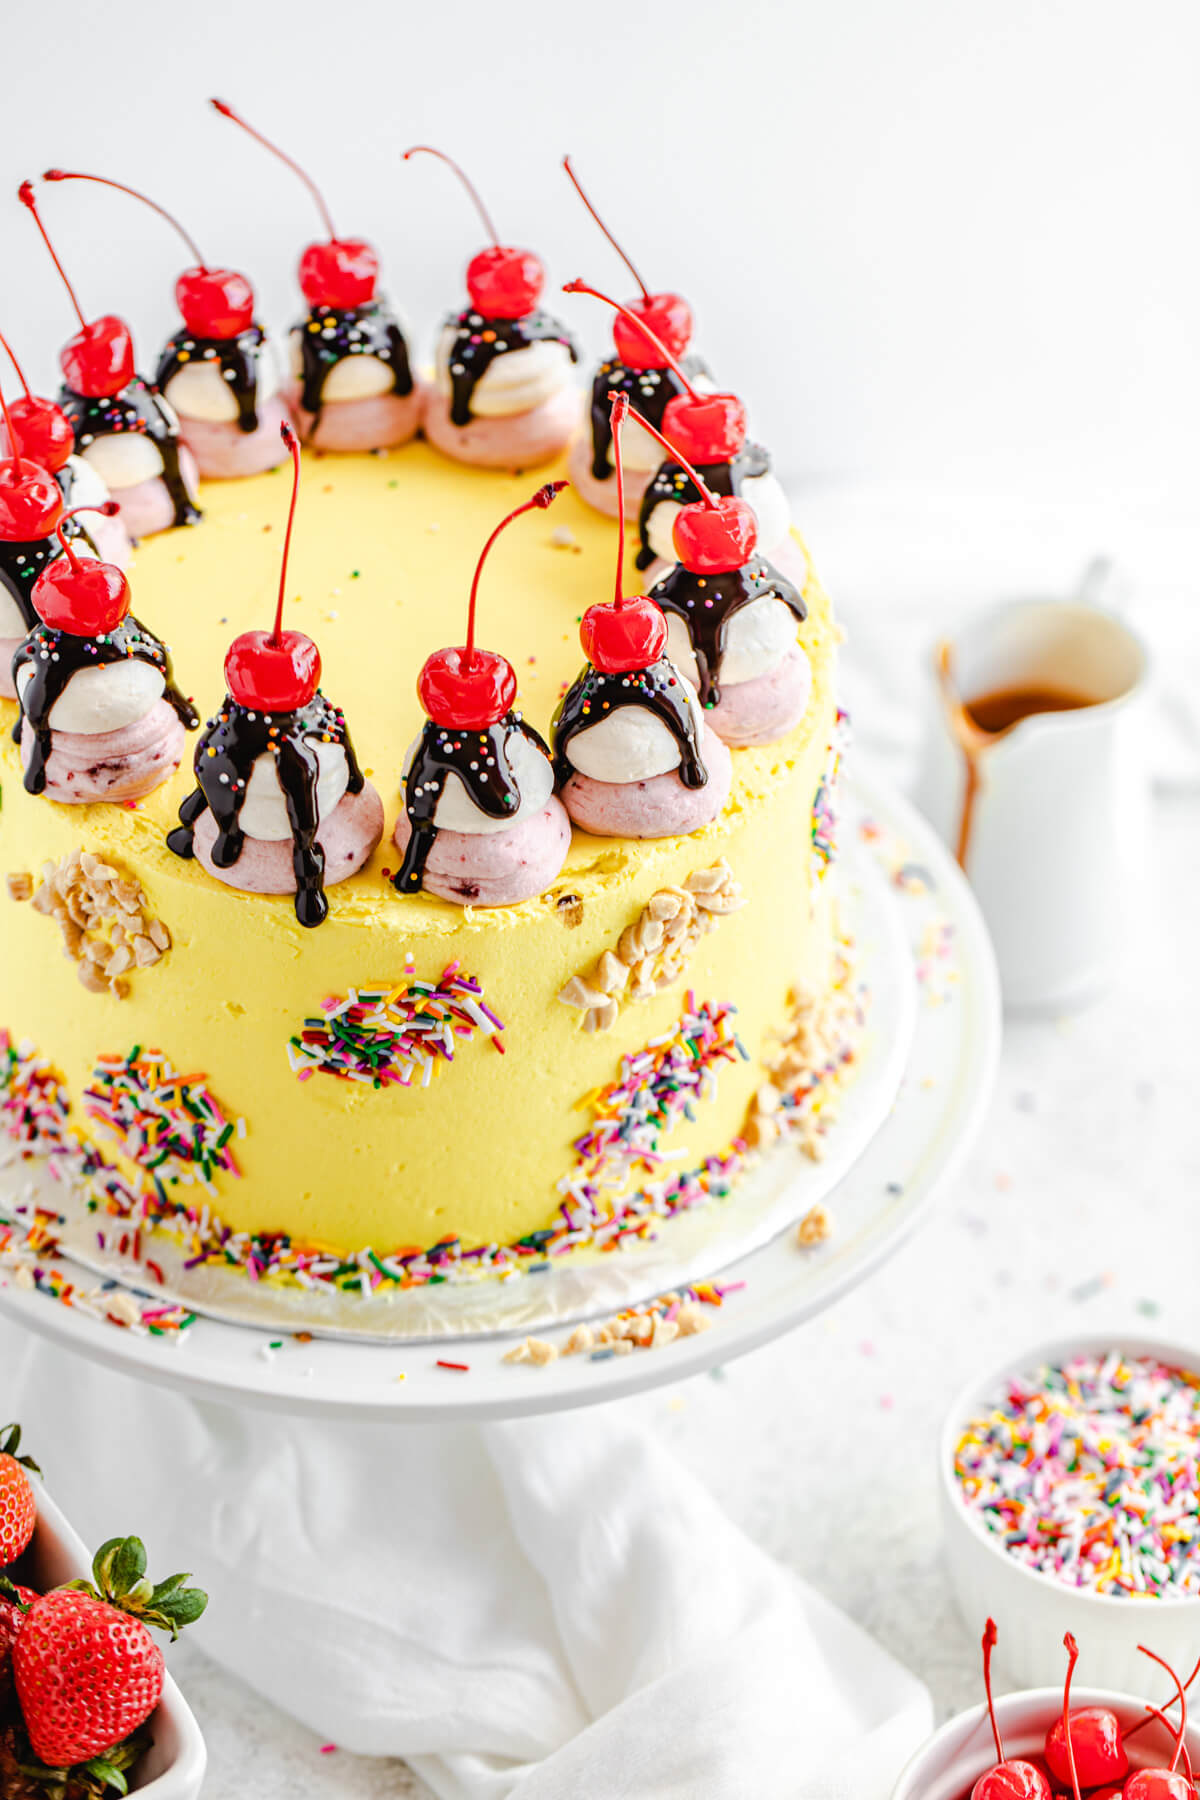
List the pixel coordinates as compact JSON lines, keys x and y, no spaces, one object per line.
{"x":806,"y":1069}
{"x":106,"y":927}
{"x":648,"y":1329}
{"x":814,"y":1228}
{"x":653,"y":951}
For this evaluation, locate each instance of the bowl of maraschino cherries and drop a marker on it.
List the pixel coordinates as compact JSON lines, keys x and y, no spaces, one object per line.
{"x":1081,"y":1742}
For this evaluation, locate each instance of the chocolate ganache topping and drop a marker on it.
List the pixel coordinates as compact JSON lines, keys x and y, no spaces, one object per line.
{"x":479,"y":758}
{"x":237,"y":358}
{"x":706,"y":604}
{"x":649,"y":390}
{"x":331,"y":333}
{"x":225,"y":757}
{"x":136,"y":411}
{"x":477,"y":342}
{"x":594,"y":696}
{"x":21,"y":564}
{"x":56,"y":656}
{"x":673,"y":483}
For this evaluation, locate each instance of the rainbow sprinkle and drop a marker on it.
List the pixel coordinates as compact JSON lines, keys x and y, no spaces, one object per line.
{"x":394,"y":1035}
{"x":171,"y":1125}
{"x":824,"y":807}
{"x":1089,"y":1472}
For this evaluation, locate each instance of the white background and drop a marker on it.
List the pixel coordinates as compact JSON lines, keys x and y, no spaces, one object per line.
{"x":955,"y":242}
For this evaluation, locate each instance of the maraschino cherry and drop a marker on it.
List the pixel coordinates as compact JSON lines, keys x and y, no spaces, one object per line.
{"x":44,"y":432}
{"x":31,"y":502}
{"x":668,"y":316}
{"x":83,"y":598}
{"x":98,"y":361}
{"x":1086,"y":1744}
{"x":626,"y":632}
{"x":341,"y":273}
{"x":465,"y":688}
{"x":708,"y":428}
{"x":715,"y":534}
{"x":215,"y":303}
{"x":1169,"y":1783}
{"x":277,"y":670}
{"x":1005,"y":1780}
{"x":503,"y":283}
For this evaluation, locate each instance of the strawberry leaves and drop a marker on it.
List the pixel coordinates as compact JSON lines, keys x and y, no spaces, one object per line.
{"x":10,"y":1438}
{"x":119,"y":1577}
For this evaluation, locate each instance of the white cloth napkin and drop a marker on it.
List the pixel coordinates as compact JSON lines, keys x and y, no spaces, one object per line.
{"x":534,"y":1610}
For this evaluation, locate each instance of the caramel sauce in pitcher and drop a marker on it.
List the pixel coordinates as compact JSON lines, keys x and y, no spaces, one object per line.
{"x":978,"y":722}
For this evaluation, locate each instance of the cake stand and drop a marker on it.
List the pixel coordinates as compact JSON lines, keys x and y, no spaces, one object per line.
{"x":927,"y":1092}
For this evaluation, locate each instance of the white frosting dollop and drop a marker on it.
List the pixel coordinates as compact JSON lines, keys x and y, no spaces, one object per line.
{"x":106,"y":698}
{"x":359,"y":375}
{"x":202,"y":390}
{"x":515,"y":381}
{"x":757,"y":638}
{"x":12,"y":625}
{"x":534,"y":776}
{"x":124,"y":459}
{"x":264,"y":813}
{"x":763,"y":493}
{"x":630,"y":743}
{"x":88,"y":487}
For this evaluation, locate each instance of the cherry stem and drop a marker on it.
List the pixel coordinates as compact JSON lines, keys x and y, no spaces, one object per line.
{"x":293,"y":444}
{"x":576,"y":184}
{"x":103,"y":181}
{"x":226,"y":111}
{"x":706,"y":493}
{"x":1072,"y":1649}
{"x":544,"y":497}
{"x":109,"y":509}
{"x":12,"y":357}
{"x":989,"y":1644}
{"x":25,"y":195}
{"x":581,"y":287}
{"x":481,"y":209}
{"x":14,"y":442}
{"x":1142,"y":1723}
{"x":1155,"y":1712}
{"x":1181,"y":1696}
{"x":617,"y":418}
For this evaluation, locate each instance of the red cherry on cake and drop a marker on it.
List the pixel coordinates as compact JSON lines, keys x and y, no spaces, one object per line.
{"x":82,"y":596}
{"x":276,"y":670}
{"x":341,"y":273}
{"x":708,"y":428}
{"x":504,"y":283}
{"x":465,"y":688}
{"x":31,"y":502}
{"x":98,"y":361}
{"x":1006,"y":1780}
{"x":44,"y":433}
{"x":620,"y":635}
{"x":668,"y":315}
{"x":714,"y":540}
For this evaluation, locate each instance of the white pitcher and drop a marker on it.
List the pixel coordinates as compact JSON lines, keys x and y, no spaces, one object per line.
{"x":1047,"y":817}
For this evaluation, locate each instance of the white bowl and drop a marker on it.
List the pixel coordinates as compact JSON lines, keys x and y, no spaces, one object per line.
{"x":949,"y":1763}
{"x":1031,"y":1610}
{"x":173,"y":1767}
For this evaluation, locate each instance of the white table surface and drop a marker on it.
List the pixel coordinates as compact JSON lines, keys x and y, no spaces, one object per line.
{"x":1079,"y":1204}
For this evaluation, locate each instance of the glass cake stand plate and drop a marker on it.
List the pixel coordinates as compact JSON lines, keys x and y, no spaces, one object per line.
{"x":904,"y":1125}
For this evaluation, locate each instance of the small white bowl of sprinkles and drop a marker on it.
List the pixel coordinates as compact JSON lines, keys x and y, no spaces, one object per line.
{"x":1070,"y":1486}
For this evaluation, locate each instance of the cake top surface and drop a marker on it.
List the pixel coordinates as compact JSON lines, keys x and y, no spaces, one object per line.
{"x":382,"y":559}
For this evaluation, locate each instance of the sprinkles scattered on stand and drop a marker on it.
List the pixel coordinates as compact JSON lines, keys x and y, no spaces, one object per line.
{"x":394,"y":1034}
{"x":824,"y":808}
{"x":1089,"y":1472}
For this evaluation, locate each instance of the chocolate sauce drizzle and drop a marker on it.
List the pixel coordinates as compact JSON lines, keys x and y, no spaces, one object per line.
{"x":238,"y":359}
{"x":56,"y":656}
{"x":480,"y":761}
{"x":224,"y":761}
{"x":595,"y":696}
{"x":478,"y":342}
{"x":650,"y":390}
{"x":674,"y":483}
{"x":138,"y":410}
{"x":21,"y":564}
{"x":332,"y":333}
{"x":707,"y":603}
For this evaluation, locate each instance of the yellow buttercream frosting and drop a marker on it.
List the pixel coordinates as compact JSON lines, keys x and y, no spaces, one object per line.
{"x":381,"y":566}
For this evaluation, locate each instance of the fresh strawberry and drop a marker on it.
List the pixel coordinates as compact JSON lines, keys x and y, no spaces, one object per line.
{"x":18,"y":1508}
{"x":11,"y":1620}
{"x":87,"y":1671}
